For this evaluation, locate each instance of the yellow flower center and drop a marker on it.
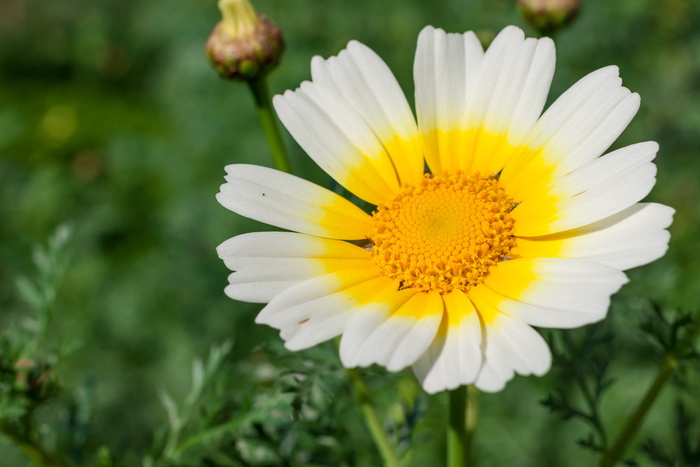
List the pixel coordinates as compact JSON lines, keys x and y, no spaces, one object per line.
{"x":444,"y":233}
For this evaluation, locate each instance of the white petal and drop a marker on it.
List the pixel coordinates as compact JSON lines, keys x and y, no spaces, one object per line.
{"x":530,"y":96}
{"x":508,"y":97}
{"x":398,"y":341}
{"x":444,"y":69}
{"x":445,"y":65}
{"x":350,"y":122}
{"x":368,"y":86}
{"x":256,"y":292}
{"x":276,"y":313}
{"x":239,"y":251}
{"x":490,"y":380}
{"x":514,"y":82}
{"x":586,"y":119}
{"x":631,"y":238}
{"x":576,"y":129}
{"x":313,"y":322}
{"x":266,"y":263}
{"x":331,"y":323}
{"x":535,"y":315}
{"x":502,"y":53}
{"x":599,"y":189}
{"x":455,"y":357}
{"x":511,"y":346}
{"x":364,"y":322}
{"x":608,"y":168}
{"x":556,"y":284}
{"x":414,"y":341}
{"x":318,"y":309}
{"x":336,"y":139}
{"x":289,"y":202}
{"x":560,"y":318}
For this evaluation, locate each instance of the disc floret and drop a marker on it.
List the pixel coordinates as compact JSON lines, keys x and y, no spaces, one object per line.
{"x":444,"y":233}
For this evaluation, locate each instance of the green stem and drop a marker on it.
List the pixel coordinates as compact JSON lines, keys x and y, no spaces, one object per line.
{"x":31,"y":447}
{"x":457,"y":435}
{"x":613,"y":455}
{"x":261,"y":94}
{"x":472,"y":414}
{"x":374,"y":424}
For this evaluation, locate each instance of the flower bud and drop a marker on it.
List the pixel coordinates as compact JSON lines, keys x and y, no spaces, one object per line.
{"x":548,"y":16}
{"x":244,"y":45}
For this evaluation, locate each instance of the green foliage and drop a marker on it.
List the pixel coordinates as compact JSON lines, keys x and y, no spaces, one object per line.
{"x":685,"y":451}
{"x":27,"y":377}
{"x":673,"y":332}
{"x":286,"y":415}
{"x":585,"y":365}
{"x":112,"y":119}
{"x":27,"y":361}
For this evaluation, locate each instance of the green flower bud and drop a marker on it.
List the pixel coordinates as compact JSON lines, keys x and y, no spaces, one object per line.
{"x":244,"y":45}
{"x":548,"y":16}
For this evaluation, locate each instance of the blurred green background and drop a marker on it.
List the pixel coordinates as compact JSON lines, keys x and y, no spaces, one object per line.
{"x":113,"y":121}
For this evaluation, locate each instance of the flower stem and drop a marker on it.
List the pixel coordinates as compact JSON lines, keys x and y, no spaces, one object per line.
{"x":472,"y":414}
{"x":613,"y":455}
{"x":261,"y":94}
{"x":458,"y":438}
{"x":374,"y":424}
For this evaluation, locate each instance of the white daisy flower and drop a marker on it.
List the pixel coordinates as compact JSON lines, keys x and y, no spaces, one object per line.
{"x":519,"y":222}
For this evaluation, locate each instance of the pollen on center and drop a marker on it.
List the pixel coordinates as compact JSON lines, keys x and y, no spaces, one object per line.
{"x":444,"y":233}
